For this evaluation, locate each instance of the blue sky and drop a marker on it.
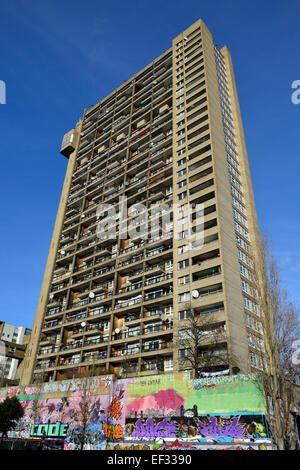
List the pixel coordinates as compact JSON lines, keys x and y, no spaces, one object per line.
{"x":59,"y":57}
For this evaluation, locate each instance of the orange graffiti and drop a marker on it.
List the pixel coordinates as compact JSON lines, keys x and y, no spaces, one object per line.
{"x":113,"y":431}
{"x":115,"y":408}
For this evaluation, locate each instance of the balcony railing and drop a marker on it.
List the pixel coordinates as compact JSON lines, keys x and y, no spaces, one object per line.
{"x":125,"y":352}
{"x":128,"y":302}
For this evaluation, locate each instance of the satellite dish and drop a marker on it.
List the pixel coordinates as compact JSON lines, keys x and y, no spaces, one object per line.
{"x":195,"y":294}
{"x":117,"y":330}
{"x":62,"y":252}
{"x":91,"y":295}
{"x":83,"y":324}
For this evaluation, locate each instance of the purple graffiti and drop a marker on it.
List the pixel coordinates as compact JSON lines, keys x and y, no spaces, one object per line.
{"x":228,"y":429}
{"x":162,"y":429}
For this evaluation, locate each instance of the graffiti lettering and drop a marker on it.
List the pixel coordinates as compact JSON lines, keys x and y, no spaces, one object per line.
{"x":227,"y":429}
{"x":51,"y":430}
{"x":113,"y":432}
{"x":162,"y":429}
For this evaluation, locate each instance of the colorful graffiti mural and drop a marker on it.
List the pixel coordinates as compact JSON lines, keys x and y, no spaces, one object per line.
{"x":216,"y":428}
{"x":164,"y":395}
{"x":158,"y":412}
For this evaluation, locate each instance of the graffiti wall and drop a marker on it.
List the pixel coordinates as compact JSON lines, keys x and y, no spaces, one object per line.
{"x":204,"y":428}
{"x":165,"y":395}
{"x":159,"y":412}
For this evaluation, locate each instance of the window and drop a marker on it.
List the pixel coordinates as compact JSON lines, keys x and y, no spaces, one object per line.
{"x":183,"y":234}
{"x":181,"y":184}
{"x":187,"y":70}
{"x":185,"y":297}
{"x":184,"y":314}
{"x":180,"y":152}
{"x":181,"y":173}
{"x":181,"y":132}
{"x":180,"y":106}
{"x":254,"y":324}
{"x":252,"y":306}
{"x":182,"y":161}
{"x":169,"y":264}
{"x":168,"y":364}
{"x":199,"y":131}
{"x":185,"y":334}
{"x":182,"y":196}
{"x":183,"y":221}
{"x":180,"y":123}
{"x":179,"y":115}
{"x":183,"y":280}
{"x":199,"y":141}
{"x":183,"y":353}
{"x":256,"y":361}
{"x":151,"y":327}
{"x":183,"y":249}
{"x":245,"y":272}
{"x":193,"y":106}
{"x":192,"y":82}
{"x":180,"y":142}
{"x":183,"y":264}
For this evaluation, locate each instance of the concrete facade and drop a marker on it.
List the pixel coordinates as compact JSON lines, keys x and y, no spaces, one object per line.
{"x":171,"y":135}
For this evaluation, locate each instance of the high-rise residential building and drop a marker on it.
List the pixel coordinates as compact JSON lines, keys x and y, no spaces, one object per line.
{"x":13,"y":341}
{"x":169,"y":138}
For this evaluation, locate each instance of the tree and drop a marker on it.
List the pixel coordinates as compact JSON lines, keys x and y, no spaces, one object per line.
{"x":280,"y":327}
{"x":87,"y":403}
{"x":38,"y":382}
{"x":201,"y":344}
{"x":11,"y":411}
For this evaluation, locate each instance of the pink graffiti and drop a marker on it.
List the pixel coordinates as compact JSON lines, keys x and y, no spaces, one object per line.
{"x":168,"y":400}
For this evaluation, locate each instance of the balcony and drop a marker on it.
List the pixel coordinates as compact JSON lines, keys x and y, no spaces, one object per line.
{"x":99,"y":311}
{"x":158,"y":294}
{"x":154,"y":366}
{"x":131,"y":288}
{"x":75,"y":345}
{"x":159,"y":279}
{"x":94,"y":356}
{"x":91,"y":342}
{"x":125,"y":352}
{"x":131,"y":248}
{"x":132,"y":318}
{"x":210,"y":309}
{"x":77,"y":316}
{"x":130,"y":369}
{"x":54,"y":311}
{"x":126,"y":334}
{"x":206,"y":273}
{"x":157,"y":328}
{"x":132,"y":260}
{"x":156,"y":345}
{"x":128,"y":302}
